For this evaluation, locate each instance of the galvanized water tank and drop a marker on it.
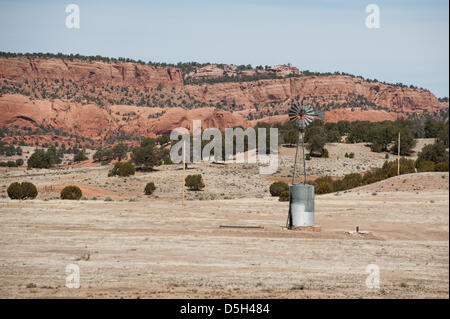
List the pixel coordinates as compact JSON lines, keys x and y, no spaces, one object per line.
{"x":301,"y":205}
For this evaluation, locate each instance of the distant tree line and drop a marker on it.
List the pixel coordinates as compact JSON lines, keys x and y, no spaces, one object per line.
{"x":380,"y":136}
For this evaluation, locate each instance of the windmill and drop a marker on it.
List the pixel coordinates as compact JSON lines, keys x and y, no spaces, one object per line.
{"x":301,"y":202}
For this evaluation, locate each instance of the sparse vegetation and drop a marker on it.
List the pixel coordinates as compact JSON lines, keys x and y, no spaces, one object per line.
{"x":80,"y":156}
{"x":323,"y":185}
{"x":441,"y":167}
{"x":326,"y":184}
{"x":425,"y":166}
{"x":71,"y":192}
{"x":123,"y":169}
{"x":149,"y":188}
{"x":24,"y":190}
{"x":435,"y":153}
{"x":41,"y":159}
{"x":194,"y":182}
{"x":284,"y":196}
{"x":277,"y":188}
{"x":148,"y":154}
{"x":103,"y":156}
{"x":9,"y":150}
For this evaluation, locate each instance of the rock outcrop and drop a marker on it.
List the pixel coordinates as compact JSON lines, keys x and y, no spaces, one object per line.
{"x":322,"y":89}
{"x":89,"y":107}
{"x":96,"y":123}
{"x":95,"y":72}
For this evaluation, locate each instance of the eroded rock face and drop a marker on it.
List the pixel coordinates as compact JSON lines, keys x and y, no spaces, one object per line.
{"x":334,"y":88}
{"x":96,"y":123}
{"x":345,"y":114}
{"x":212,"y":71}
{"x":95,"y":72}
{"x":89,"y":119}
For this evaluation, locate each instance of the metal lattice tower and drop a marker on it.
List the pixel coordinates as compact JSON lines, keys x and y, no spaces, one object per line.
{"x":301,"y":195}
{"x":301,"y":115}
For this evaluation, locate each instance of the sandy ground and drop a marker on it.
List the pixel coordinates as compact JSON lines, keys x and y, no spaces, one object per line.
{"x":155,"y":248}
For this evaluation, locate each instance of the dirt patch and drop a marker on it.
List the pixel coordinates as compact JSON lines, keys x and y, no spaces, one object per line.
{"x":161,"y":250}
{"x":427,"y":181}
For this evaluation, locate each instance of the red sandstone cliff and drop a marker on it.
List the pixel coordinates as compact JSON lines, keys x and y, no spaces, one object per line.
{"x":96,"y":123}
{"x":95,"y":72}
{"x":168,"y":107}
{"x":334,"y":88}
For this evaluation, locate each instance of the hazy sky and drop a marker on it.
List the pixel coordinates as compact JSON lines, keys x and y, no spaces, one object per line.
{"x":411,"y":45}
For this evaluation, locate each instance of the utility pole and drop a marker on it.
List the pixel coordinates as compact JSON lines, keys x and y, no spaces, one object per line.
{"x":398,"y":156}
{"x":184,"y":173}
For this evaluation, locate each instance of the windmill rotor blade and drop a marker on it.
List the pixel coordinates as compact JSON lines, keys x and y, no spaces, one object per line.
{"x":308,"y":120}
{"x":303,"y":115}
{"x":320,"y":114}
{"x":293,"y":110}
{"x":292,"y":117}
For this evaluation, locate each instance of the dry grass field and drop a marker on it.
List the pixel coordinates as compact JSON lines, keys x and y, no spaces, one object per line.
{"x":136,"y":246}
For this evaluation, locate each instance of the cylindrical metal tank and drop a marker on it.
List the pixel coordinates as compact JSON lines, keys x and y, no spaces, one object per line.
{"x":301,"y":205}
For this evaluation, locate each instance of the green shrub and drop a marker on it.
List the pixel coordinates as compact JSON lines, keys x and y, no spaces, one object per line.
{"x":307,"y":157}
{"x":71,"y":192}
{"x":351,"y":155}
{"x":29,"y":190}
{"x":323,"y":185}
{"x":435,"y":153}
{"x":338,"y":185}
{"x":386,"y":156}
{"x":194,"y":182}
{"x":374,"y":176}
{"x":167,"y":160}
{"x":352,"y":180}
{"x":147,"y":155}
{"x":441,"y":167}
{"x":284,"y":196}
{"x":325,"y":153}
{"x":123,"y":169}
{"x":407,"y":166}
{"x":14,"y":191}
{"x":120,"y":151}
{"x":11,"y":164}
{"x":103,"y":156}
{"x":316,"y":144}
{"x":277,"y":188}
{"x":149,"y":188}
{"x":41,"y":159}
{"x":407,"y":142}
{"x":433,"y":127}
{"x":376,"y":147}
{"x":19,"y":162}
{"x":79,"y":157}
{"x":24,"y":190}
{"x":425,"y":166}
